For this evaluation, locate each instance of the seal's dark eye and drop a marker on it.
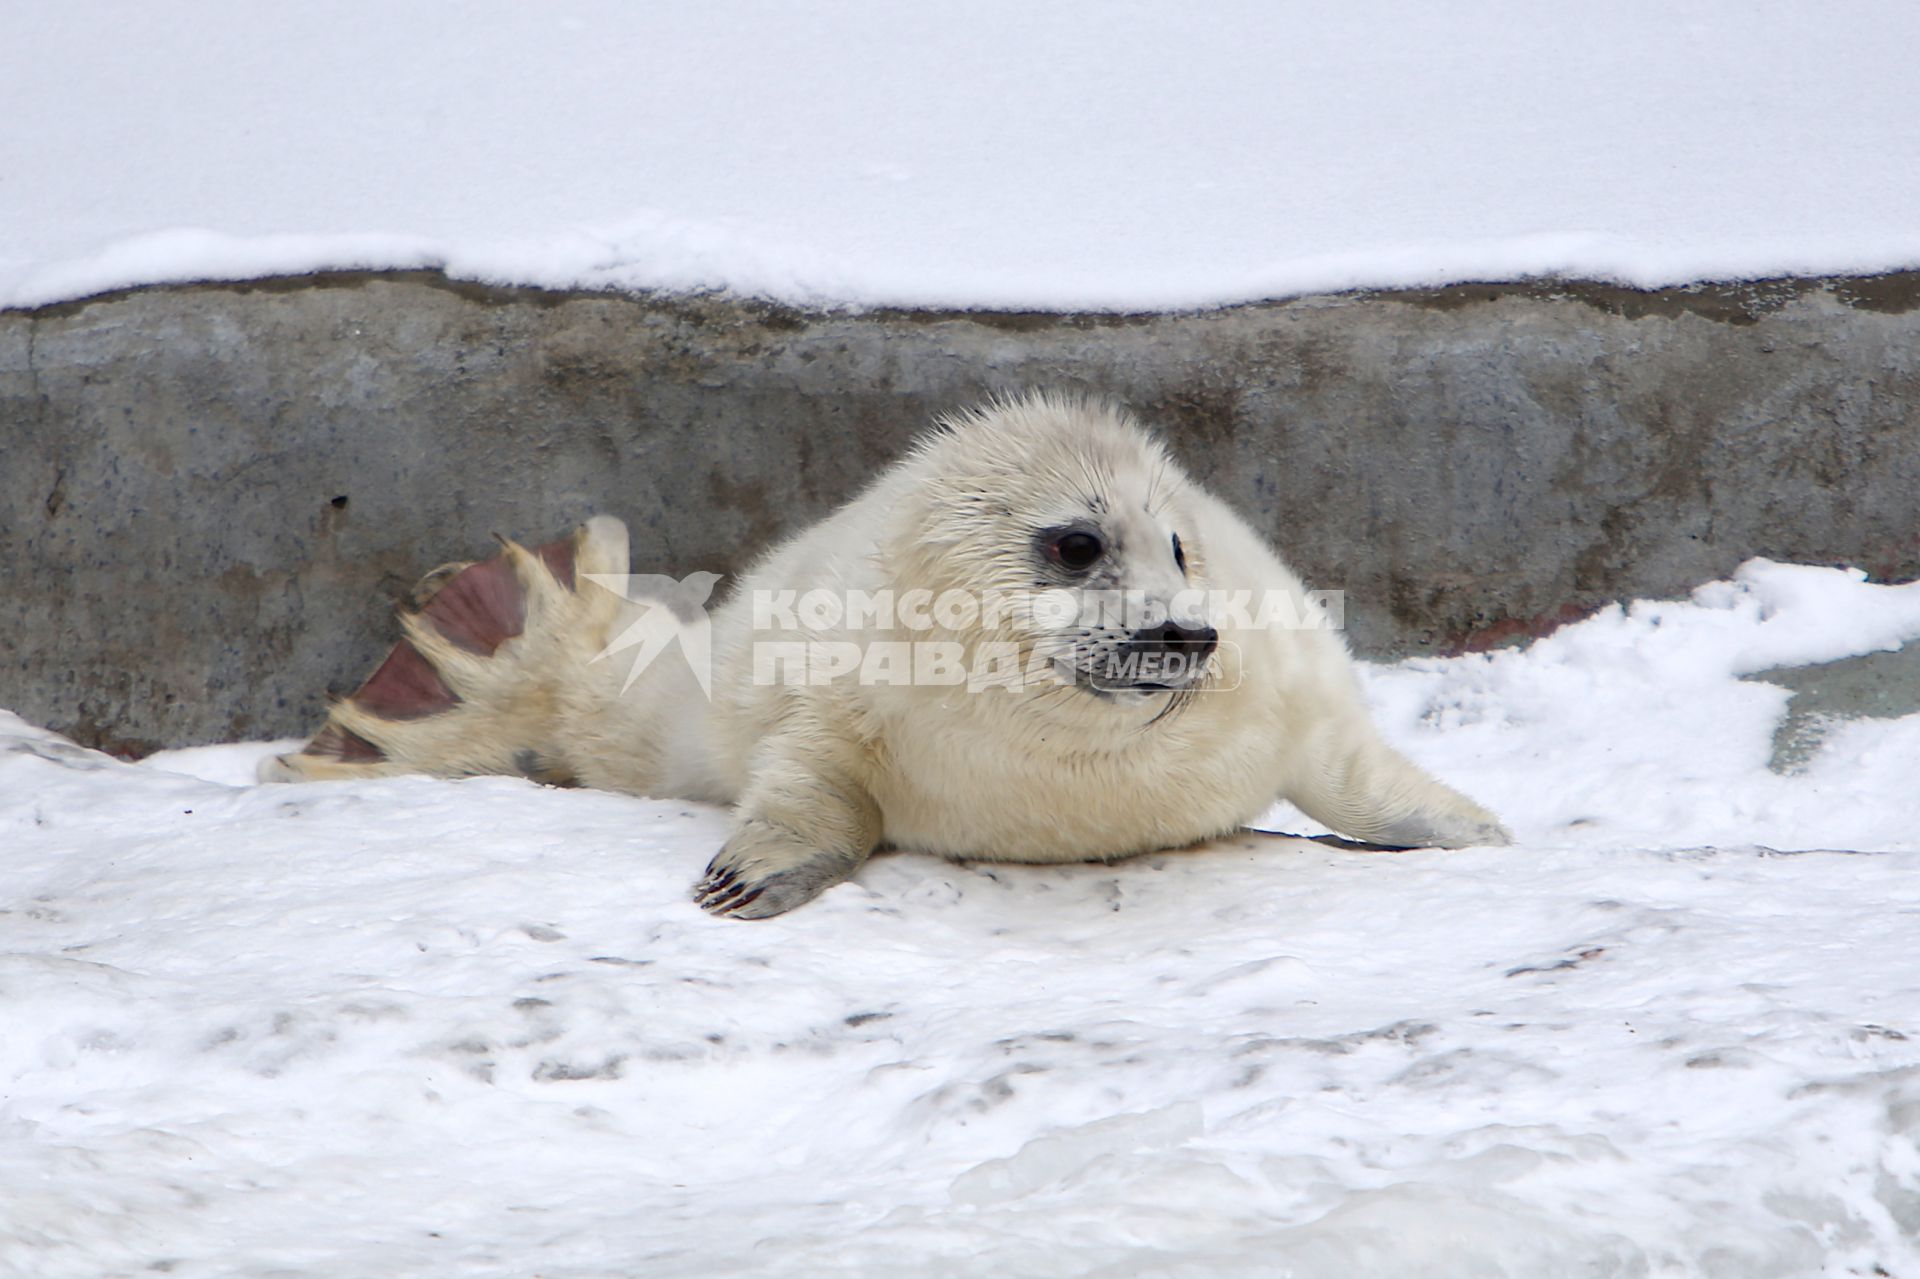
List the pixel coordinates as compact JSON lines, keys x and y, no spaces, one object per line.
{"x":1076,"y":550}
{"x":1179,"y":553}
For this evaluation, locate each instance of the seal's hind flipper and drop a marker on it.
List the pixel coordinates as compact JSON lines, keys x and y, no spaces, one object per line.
{"x":474,"y":685}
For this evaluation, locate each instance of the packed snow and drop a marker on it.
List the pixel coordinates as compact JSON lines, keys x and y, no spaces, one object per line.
{"x":475,"y":1028}
{"x":999,"y":153}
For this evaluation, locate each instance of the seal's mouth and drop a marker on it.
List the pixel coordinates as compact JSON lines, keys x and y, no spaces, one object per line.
{"x":1139,"y":686}
{"x":1104,"y":686}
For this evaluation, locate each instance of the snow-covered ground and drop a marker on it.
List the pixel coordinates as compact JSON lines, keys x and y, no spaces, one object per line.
{"x":475,"y":1029}
{"x":1088,"y":153}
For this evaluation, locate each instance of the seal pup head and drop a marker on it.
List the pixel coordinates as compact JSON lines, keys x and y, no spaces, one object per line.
{"x":1066,"y":508}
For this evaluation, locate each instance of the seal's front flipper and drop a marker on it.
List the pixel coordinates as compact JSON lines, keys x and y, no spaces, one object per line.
{"x":474,"y":685}
{"x":759,"y":874}
{"x":1446,"y":829}
{"x":803,"y":827}
{"x":1363,"y":788}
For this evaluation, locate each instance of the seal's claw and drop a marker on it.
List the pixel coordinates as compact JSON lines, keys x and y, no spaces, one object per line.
{"x":718,"y":898}
{"x":717,"y":879}
{"x":740,"y":907}
{"x":757,"y":875}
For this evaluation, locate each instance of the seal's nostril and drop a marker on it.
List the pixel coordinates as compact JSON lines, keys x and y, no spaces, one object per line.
{"x":1171,"y":637}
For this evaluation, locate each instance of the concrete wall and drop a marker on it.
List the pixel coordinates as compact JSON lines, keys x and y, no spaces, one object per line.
{"x":209,"y":494}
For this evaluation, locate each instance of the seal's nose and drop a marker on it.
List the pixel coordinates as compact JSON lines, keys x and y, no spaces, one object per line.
{"x":1193,"y":643}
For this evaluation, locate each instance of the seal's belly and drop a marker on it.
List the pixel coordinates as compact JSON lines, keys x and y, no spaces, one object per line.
{"x":1001,"y":806}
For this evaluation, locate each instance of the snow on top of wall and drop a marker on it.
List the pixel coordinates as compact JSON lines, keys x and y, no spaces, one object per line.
{"x":989,"y":154}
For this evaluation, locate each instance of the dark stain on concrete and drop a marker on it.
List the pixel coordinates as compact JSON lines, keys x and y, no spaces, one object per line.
{"x":1733,"y":302}
{"x":1896,"y":293}
{"x":1510,"y":631}
{"x":1740,"y":302}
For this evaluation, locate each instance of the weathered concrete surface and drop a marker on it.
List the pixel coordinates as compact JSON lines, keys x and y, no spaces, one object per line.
{"x":208,"y":493}
{"x":1875,"y":686}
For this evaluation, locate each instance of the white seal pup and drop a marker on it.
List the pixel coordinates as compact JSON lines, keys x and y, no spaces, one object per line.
{"x":1012,"y":646}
